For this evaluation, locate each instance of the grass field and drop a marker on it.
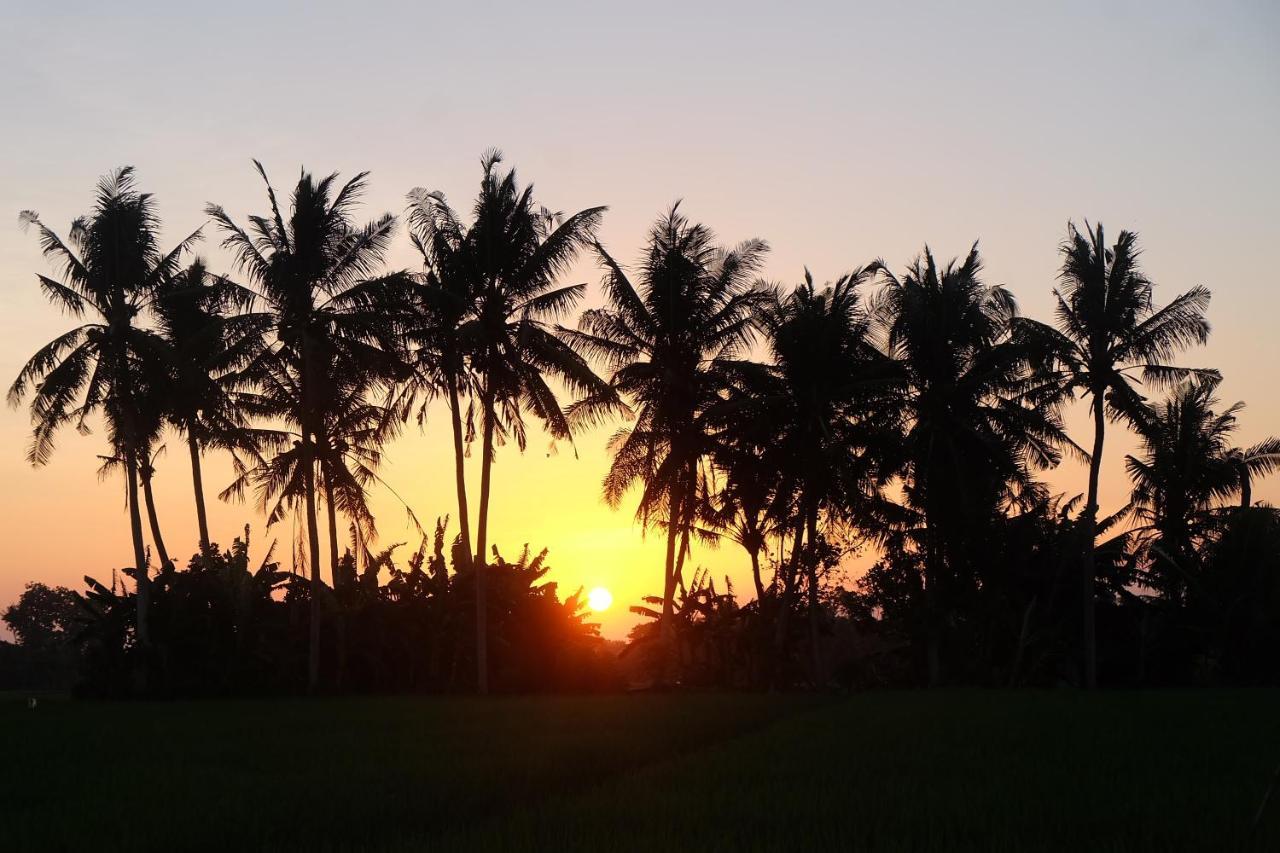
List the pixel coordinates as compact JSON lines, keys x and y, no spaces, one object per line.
{"x":880,"y":771}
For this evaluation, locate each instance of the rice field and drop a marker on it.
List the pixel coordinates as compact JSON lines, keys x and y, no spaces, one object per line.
{"x":893,"y":771}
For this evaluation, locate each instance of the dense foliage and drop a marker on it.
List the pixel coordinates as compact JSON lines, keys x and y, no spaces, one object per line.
{"x":908,"y":415}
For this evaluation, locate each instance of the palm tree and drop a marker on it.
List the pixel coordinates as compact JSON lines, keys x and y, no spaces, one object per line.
{"x":109,"y":267}
{"x":205,"y":346}
{"x":977,"y":421}
{"x":1108,"y":330}
{"x":666,"y":343}
{"x":1259,"y":460}
{"x":1185,"y":468}
{"x":839,"y":411}
{"x":744,"y":504}
{"x":823,"y":398}
{"x":434,"y":325}
{"x":511,"y":257}
{"x":314,"y":274}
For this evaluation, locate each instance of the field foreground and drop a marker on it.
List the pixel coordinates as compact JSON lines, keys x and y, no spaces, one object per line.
{"x":1013,"y":771}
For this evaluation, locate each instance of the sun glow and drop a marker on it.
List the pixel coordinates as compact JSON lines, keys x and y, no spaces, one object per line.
{"x":599,"y":599}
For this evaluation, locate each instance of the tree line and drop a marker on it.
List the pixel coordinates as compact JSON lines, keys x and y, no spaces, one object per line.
{"x":910,"y":412}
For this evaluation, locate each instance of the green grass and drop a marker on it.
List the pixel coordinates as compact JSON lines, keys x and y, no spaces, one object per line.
{"x":881,"y":771}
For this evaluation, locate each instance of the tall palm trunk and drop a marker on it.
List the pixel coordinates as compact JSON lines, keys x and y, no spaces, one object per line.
{"x":688,"y":517}
{"x":1246,"y":490}
{"x":459,"y":467}
{"x":754,"y":550}
{"x":667,"y":626}
{"x":306,"y":420}
{"x":782,"y":625}
{"x":335,"y":572}
{"x":933,"y":572}
{"x":142,"y":625}
{"x":152,"y":519}
{"x":1089,"y":534}
{"x":481,"y":561}
{"x":313,"y":552}
{"x":339,"y":582}
{"x":197,"y":483}
{"x":811,"y":567}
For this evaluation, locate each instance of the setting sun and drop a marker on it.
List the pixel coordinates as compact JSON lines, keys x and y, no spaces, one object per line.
{"x":599,"y":599}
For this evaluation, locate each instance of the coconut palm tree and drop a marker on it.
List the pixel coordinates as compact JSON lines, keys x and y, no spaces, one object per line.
{"x":826,"y":399}
{"x":314,"y":274}
{"x":1185,"y":468}
{"x":839,"y":411}
{"x":1109,"y":335}
{"x":665,"y":342}
{"x":436,"y":328}
{"x":509,"y":261}
{"x":207,"y":340}
{"x":109,"y":266}
{"x":356,"y":426}
{"x":1257,"y":461}
{"x":977,"y":421}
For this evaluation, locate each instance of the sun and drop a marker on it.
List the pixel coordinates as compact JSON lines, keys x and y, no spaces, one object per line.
{"x":599,"y":599}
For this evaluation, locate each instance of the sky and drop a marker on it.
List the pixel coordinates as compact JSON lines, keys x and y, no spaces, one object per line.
{"x":838,"y":132}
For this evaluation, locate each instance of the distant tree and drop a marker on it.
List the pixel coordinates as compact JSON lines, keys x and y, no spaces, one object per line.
{"x":43,"y":615}
{"x":664,"y":341}
{"x":109,"y":269}
{"x":1107,"y":330}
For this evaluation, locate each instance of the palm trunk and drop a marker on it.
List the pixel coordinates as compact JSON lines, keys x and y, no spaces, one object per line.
{"x":781,"y":626}
{"x":688,"y":517}
{"x":339,"y":582}
{"x":681,"y":554}
{"x":142,"y":625}
{"x":459,"y":468}
{"x":754,"y":551}
{"x":933,"y":571}
{"x":481,"y":561}
{"x":306,"y":419}
{"x":667,"y":627}
{"x":1090,"y":534}
{"x":152,"y":519}
{"x":1023,"y":634}
{"x":335,"y":571}
{"x":811,"y":567}
{"x":317,"y":586}
{"x":197,"y":482}
{"x":1246,"y":491}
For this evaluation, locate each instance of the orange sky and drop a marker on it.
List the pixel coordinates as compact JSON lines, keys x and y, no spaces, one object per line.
{"x":837,"y":134}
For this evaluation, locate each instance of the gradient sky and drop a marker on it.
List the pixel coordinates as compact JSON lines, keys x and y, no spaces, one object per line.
{"x":838,"y":132}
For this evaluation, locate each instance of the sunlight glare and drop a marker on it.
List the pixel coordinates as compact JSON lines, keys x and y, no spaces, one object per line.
{"x":599,"y":599}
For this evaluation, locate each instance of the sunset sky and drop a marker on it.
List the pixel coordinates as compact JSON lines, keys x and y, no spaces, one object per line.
{"x":838,"y":132}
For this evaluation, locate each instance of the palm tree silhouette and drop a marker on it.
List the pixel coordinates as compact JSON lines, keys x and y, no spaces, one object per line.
{"x":1257,"y":461}
{"x":436,"y":331}
{"x":978,"y":422}
{"x":824,"y":396}
{"x":506,"y":263}
{"x":665,"y":344}
{"x":109,"y":267}
{"x":207,"y":341}
{"x":1183,"y":468}
{"x":314,"y":273}
{"x":1108,"y":329}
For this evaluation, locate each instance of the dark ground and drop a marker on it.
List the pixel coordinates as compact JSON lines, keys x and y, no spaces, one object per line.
{"x":1016,"y":771}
